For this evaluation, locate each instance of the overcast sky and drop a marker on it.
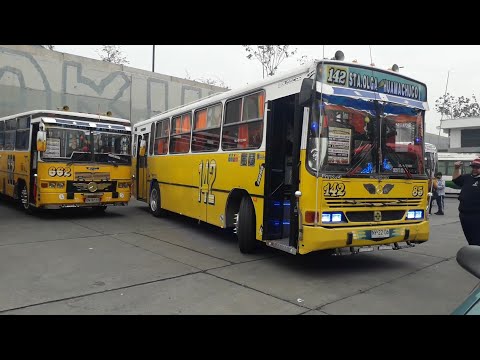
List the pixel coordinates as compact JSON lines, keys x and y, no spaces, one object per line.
{"x":427,"y":63}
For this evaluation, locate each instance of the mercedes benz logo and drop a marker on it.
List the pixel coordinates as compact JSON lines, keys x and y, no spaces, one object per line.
{"x":92,"y":187}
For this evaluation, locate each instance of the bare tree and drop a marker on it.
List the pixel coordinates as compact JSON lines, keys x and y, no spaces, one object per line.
{"x":209,"y":81}
{"x":270,"y":56}
{"x":49,"y":47}
{"x":304,"y":59}
{"x":457,"y":107}
{"x":112,"y":54}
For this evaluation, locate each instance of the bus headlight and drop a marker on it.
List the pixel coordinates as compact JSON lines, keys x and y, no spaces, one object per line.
{"x":60,"y":185}
{"x":123,"y":185}
{"x":332,"y":217}
{"x":51,"y":185}
{"x":414,"y":214}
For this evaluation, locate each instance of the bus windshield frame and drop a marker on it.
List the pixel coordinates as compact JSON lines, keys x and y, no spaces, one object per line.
{"x":363,"y":138}
{"x":74,"y":144}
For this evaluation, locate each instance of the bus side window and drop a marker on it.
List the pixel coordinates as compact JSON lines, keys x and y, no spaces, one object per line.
{"x":243,"y":124}
{"x":152,"y":138}
{"x":2,"y":134}
{"x":161,"y":137}
{"x":180,"y":138}
{"x":206,"y":130}
{"x":22,"y":134}
{"x":10,"y":134}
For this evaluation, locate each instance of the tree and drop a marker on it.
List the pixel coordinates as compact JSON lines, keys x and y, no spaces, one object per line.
{"x":304,"y":59}
{"x":270,"y":56}
{"x":457,"y":107}
{"x":49,"y":47}
{"x":112,"y":54}
{"x":209,"y":81}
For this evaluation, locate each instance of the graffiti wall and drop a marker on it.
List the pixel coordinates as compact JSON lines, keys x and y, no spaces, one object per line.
{"x":35,"y":78}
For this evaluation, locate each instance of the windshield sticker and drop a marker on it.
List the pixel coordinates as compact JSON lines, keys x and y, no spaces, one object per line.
{"x":339,"y":140}
{"x":53,"y":148}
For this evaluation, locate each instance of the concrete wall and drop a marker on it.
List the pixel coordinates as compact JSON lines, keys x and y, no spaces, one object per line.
{"x":441,"y":142}
{"x":35,"y":78}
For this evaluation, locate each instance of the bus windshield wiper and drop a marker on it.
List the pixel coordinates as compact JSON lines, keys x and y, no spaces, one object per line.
{"x":395,"y":155}
{"x":116,"y":157}
{"x":364,"y":152}
{"x":78,"y":158}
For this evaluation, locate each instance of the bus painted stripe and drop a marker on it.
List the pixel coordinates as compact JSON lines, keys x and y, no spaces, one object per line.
{"x":196,"y":187}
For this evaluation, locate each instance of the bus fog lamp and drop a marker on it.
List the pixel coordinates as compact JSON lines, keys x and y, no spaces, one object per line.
{"x":326,"y":217}
{"x":336,"y":217}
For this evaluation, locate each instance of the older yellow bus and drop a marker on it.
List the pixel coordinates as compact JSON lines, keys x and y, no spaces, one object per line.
{"x":56,"y":159}
{"x":329,"y":156}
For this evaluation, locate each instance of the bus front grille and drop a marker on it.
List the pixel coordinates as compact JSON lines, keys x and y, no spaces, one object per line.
{"x":367,"y":216}
{"x":365,"y":202}
{"x":92,"y":176}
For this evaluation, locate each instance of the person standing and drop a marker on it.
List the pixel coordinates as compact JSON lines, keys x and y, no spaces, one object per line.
{"x":469,"y":208}
{"x":440,"y":193}
{"x":432,"y":186}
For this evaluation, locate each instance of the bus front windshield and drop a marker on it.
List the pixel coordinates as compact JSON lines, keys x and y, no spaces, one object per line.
{"x":358,"y":137}
{"x":75,"y":145}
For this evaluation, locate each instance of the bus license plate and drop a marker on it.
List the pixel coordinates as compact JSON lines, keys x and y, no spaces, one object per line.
{"x":92,"y":200}
{"x":378,"y":234}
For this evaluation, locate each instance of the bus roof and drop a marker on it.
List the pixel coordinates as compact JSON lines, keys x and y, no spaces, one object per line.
{"x":217,"y":97}
{"x":457,"y":156}
{"x":49,"y":113}
{"x":306,"y":71}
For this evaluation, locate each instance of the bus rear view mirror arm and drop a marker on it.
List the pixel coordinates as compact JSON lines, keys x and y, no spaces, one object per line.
{"x":305,"y":96}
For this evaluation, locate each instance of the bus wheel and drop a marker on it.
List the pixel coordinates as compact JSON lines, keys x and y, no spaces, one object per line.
{"x":155,"y":201}
{"x":245,"y":225}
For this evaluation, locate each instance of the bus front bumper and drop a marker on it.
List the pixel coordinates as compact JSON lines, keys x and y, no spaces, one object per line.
{"x":62,"y":200}
{"x":321,"y":238}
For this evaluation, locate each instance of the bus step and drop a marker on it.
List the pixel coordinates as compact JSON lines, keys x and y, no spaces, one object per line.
{"x":282,"y":244}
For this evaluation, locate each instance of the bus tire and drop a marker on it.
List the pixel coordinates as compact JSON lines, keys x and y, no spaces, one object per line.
{"x":245,"y":226}
{"x":155,"y":202}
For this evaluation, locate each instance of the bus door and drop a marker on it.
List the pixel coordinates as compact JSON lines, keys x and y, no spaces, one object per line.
{"x":284,"y":126}
{"x":142,"y":189}
{"x":34,"y":154}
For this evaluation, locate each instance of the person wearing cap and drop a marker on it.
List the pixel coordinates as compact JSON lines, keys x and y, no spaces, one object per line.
{"x":469,"y":208}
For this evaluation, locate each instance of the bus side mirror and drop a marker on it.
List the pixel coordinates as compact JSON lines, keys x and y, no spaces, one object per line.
{"x":143,"y":148}
{"x":41,"y":141}
{"x":305,"y":96}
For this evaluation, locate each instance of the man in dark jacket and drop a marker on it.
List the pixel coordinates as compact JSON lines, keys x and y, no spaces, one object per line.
{"x":469,"y":207}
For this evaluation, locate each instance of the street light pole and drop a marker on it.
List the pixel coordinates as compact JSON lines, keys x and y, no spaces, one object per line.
{"x":153,"y":59}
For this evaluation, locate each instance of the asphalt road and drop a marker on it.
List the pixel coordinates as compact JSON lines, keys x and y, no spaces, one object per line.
{"x":128,"y":262}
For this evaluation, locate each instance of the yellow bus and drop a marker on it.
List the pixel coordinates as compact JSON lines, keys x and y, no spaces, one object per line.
{"x":58,"y":159}
{"x":327,"y":157}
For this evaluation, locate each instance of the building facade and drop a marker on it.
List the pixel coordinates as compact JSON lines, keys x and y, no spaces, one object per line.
{"x":32,"y":77}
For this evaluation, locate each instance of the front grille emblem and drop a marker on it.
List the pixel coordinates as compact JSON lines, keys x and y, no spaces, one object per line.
{"x":92,"y":187}
{"x":377,"y":216}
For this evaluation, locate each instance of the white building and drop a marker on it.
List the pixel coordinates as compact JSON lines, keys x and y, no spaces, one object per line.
{"x":464,"y":134}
